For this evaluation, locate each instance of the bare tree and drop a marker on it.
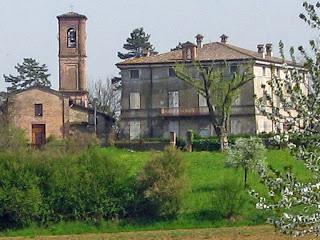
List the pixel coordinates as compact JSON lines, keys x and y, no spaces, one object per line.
{"x":106,"y":96}
{"x":219,"y":88}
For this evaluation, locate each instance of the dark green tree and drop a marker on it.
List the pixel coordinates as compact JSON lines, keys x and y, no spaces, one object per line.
{"x":30,"y":73}
{"x":136,"y":44}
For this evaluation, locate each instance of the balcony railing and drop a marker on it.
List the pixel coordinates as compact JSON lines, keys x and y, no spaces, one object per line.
{"x":181,"y":111}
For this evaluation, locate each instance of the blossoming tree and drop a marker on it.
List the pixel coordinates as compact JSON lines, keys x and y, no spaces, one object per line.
{"x":296,"y":204}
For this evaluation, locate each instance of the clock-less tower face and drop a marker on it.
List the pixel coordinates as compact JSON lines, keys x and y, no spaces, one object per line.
{"x":73,"y":57}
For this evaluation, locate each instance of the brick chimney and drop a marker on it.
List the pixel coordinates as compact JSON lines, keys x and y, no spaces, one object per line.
{"x":261,"y":50}
{"x":269,"y":52}
{"x":224,"y":38}
{"x":199,"y":39}
{"x":189,"y":51}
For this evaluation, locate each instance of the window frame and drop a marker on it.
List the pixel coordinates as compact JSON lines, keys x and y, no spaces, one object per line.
{"x":264,"y":71}
{"x":71,"y":43}
{"x":172,"y":93}
{"x":130,"y":101}
{"x":170,"y":71}
{"x":38,"y":110}
{"x":131,"y":76}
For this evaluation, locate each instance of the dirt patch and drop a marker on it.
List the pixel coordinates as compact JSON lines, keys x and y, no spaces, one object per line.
{"x":241,"y":233}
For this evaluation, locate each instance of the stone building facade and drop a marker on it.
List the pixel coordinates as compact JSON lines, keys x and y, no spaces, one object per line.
{"x":155,"y":102}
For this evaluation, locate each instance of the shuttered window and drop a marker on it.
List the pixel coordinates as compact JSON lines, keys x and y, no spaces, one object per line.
{"x":173,"y":99}
{"x":135,"y":100}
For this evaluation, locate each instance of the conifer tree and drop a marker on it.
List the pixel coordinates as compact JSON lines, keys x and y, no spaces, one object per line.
{"x":136,"y":44}
{"x":30,"y":73}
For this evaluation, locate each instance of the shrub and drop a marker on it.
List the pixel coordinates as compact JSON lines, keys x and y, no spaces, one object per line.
{"x":228,"y":197}
{"x":161,"y":184}
{"x":20,"y":196}
{"x":89,"y":187}
{"x":12,"y":139}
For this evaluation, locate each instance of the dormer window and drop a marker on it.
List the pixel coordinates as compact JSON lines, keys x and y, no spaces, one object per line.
{"x":72,"y":38}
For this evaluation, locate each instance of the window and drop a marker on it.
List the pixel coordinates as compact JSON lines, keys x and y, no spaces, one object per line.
{"x":172,"y":73}
{"x":135,"y":130}
{"x":264,"y":71}
{"x":202,"y":101}
{"x":38,"y":110}
{"x":173,"y":99}
{"x":233,"y":69}
{"x":134,"y":100}
{"x":72,"y":38}
{"x":134,"y":74}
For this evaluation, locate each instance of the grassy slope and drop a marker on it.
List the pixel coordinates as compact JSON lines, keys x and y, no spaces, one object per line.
{"x":204,"y":171}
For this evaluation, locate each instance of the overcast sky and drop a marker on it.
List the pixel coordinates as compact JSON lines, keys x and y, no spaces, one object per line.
{"x":28,"y":28}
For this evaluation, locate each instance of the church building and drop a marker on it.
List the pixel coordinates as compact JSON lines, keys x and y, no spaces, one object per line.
{"x":43,"y":112}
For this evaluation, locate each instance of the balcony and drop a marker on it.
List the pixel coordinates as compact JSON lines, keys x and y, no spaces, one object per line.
{"x":181,"y":111}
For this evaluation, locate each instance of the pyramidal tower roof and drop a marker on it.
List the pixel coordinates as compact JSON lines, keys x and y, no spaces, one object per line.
{"x":71,"y":15}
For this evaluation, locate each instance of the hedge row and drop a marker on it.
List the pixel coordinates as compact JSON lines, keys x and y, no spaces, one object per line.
{"x":46,"y":186}
{"x":213,"y":143}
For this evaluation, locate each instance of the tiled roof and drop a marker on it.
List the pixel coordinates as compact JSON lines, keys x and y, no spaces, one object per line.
{"x":215,"y":51}
{"x":71,"y":15}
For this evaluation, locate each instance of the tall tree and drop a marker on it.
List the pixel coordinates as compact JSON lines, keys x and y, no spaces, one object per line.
{"x":220,"y":90}
{"x":136,"y":44}
{"x":30,"y":73}
{"x":295,"y":203}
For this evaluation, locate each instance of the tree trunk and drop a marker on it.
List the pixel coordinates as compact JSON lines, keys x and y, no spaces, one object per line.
{"x":245,"y":177}
{"x":224,"y":144}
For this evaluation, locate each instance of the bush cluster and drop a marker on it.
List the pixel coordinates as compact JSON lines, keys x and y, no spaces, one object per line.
{"x":41,"y":188}
{"x":45,"y":187}
{"x":160,"y":185}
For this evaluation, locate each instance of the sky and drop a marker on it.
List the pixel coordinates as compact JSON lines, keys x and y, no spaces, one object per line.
{"x":28,"y":28}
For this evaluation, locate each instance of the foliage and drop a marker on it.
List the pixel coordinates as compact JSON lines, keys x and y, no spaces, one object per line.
{"x":74,"y":143}
{"x":12,"y":138}
{"x":161,"y":184}
{"x":295,"y":203}
{"x":136,"y":44}
{"x":247,"y":153}
{"x":41,"y":187}
{"x":20,"y":198}
{"x":228,"y":196}
{"x":220,"y":88}
{"x":30,"y":73}
{"x":204,"y":172}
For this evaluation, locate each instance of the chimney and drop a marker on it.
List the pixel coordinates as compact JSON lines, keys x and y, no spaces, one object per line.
{"x":189,"y":51}
{"x":269,"y":52}
{"x":224,"y":38}
{"x":261,"y":51}
{"x":199,"y":38}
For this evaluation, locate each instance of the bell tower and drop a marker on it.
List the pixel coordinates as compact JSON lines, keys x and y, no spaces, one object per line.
{"x":73,"y":57}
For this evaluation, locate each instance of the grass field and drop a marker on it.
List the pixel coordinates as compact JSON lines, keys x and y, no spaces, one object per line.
{"x":204,"y":171}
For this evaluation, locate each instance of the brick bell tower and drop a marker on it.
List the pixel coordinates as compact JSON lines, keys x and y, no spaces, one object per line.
{"x":73,"y":80}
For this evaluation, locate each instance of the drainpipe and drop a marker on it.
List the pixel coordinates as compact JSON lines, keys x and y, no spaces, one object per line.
{"x":150,"y":104}
{"x":63,"y":125}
